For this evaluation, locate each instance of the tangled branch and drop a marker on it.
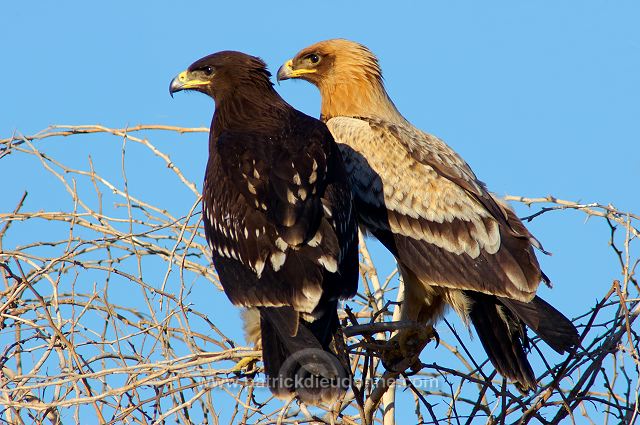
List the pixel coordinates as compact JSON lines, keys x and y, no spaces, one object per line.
{"x":109,"y":310}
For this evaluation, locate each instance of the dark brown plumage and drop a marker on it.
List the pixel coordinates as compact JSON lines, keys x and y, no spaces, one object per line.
{"x":455,"y":243}
{"x":277,"y":213}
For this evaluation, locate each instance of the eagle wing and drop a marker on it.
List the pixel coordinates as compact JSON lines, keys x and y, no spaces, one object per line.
{"x":425,"y":204}
{"x":269,"y":206}
{"x":282,"y":177}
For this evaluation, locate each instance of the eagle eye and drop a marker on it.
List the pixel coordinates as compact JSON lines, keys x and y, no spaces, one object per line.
{"x":208,"y":70}
{"x":313,"y":58}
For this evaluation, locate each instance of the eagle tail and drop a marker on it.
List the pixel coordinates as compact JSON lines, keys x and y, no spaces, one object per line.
{"x":503,"y":338}
{"x":547,"y":322}
{"x":297,"y":358}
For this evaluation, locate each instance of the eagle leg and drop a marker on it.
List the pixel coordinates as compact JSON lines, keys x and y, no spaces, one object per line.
{"x":402,"y":352}
{"x":422,"y":305}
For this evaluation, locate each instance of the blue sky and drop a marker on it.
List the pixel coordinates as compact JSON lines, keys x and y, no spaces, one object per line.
{"x":548,"y":92}
{"x":539,"y":97}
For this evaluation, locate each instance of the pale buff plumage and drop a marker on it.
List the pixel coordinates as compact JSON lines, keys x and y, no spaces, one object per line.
{"x":429,"y":192}
{"x":451,"y":237}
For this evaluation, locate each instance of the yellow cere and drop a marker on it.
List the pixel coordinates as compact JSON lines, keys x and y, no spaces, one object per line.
{"x":297,"y":72}
{"x":187,"y":84}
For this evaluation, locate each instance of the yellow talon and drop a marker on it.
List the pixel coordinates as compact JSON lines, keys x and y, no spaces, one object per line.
{"x":405,"y":347}
{"x":246,"y":363}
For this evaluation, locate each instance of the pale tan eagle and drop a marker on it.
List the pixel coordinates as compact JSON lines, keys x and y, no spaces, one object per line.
{"x":454,"y":242}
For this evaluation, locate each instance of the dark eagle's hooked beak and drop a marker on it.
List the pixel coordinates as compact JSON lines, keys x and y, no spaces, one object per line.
{"x":185,"y":81}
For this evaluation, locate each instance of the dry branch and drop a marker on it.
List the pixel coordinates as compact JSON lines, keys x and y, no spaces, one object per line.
{"x":102,"y":317}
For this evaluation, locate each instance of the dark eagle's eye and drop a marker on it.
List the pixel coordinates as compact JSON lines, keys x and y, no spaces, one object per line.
{"x":313,"y":58}
{"x":207,"y":70}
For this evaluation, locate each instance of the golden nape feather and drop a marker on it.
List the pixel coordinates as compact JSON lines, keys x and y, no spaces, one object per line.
{"x":348,"y":76}
{"x":455,"y":243}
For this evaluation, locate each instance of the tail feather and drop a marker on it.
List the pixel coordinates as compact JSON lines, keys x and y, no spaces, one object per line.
{"x":547,"y":322}
{"x":297,"y":358}
{"x":500,"y":326}
{"x":502,"y":337}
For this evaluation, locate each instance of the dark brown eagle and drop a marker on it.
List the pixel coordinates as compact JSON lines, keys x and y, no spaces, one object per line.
{"x":455,"y":243}
{"x":278,"y":216}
